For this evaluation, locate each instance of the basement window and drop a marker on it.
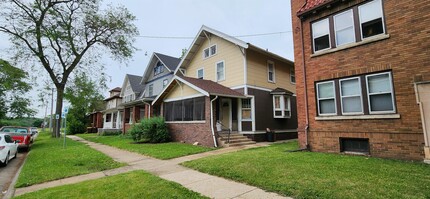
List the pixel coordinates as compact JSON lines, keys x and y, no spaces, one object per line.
{"x":354,"y":145}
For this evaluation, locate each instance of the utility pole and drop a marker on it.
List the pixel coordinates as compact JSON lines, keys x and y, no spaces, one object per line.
{"x":52,"y":107}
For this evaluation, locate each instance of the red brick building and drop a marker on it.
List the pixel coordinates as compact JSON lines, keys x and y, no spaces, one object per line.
{"x":363,"y":73}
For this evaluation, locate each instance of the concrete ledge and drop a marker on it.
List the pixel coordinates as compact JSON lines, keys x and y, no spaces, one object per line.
{"x":358,"y":117}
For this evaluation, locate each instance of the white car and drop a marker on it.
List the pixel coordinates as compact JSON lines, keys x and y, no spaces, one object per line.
{"x":8,"y":149}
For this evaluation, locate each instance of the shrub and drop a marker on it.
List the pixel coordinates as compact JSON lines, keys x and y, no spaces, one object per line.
{"x":152,"y":130}
{"x":110,"y":133}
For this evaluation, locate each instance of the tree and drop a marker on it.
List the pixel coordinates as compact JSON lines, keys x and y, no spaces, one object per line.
{"x":14,"y":101}
{"x":84,"y":97}
{"x":60,"y":34}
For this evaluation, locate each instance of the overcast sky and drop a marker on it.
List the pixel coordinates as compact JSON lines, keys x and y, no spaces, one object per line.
{"x":169,"y":18}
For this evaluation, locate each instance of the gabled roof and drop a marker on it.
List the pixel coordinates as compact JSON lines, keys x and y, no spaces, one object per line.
{"x":311,"y":5}
{"x":168,"y":61}
{"x":171,"y":63}
{"x":112,"y":97}
{"x":205,"y":32}
{"x":135,"y":85}
{"x":206,"y":87}
{"x":116,"y":89}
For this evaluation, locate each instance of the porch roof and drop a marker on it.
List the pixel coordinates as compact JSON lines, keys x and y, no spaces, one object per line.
{"x":206,"y":87}
{"x":281,"y":91}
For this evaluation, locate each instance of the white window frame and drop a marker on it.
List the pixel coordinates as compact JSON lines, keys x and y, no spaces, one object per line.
{"x":203,"y":73}
{"x":209,"y":49}
{"x":150,"y":90}
{"x":165,"y":82}
{"x":292,"y":74}
{"x":360,"y":20}
{"x":216,"y":71}
{"x":313,"y":34}
{"x":250,"y":109}
{"x":282,"y":108}
{"x":334,"y":97}
{"x":391,"y":91}
{"x":353,"y":27}
{"x":273,"y":72}
{"x":342,"y":97}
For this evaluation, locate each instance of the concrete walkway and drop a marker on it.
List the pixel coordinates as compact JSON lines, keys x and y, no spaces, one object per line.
{"x":208,"y":185}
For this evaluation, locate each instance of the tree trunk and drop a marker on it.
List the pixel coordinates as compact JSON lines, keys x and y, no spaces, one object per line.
{"x":58,"y":110}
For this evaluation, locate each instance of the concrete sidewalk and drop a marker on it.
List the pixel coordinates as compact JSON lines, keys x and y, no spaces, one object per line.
{"x":208,"y":185}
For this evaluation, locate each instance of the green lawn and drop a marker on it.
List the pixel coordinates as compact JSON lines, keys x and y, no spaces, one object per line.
{"x":48,"y":161}
{"x":161,"y":151}
{"x":319,"y":175}
{"x":137,"y":184}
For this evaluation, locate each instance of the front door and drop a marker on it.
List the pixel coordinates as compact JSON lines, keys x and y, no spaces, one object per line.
{"x":226,"y":113}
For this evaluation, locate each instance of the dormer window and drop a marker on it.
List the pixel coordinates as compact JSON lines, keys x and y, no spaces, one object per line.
{"x":159,"y":68}
{"x":209,"y":52}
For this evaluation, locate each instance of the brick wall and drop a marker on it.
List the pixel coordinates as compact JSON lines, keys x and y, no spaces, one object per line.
{"x":406,"y":53}
{"x":194,"y":132}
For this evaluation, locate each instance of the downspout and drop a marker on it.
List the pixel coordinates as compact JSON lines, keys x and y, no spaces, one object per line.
{"x":212,"y":122}
{"x":305,"y":84}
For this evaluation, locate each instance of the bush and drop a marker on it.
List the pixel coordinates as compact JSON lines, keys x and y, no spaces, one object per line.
{"x":153,"y":130}
{"x":109,"y":133}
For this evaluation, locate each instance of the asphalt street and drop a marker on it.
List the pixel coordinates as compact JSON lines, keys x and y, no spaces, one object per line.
{"x":8,"y":173}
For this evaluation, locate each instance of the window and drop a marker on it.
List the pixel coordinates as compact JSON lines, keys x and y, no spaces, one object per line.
{"x":270,"y":71}
{"x":292,"y":75}
{"x":246,"y":109}
{"x":367,"y":18}
{"x":108,"y":117}
{"x":326,"y":98}
{"x":200,"y":73}
{"x":159,"y":68}
{"x":350,"y":94}
{"x":377,"y":90}
{"x":209,"y":52}
{"x":165,"y":82}
{"x":8,"y":139}
{"x":321,"y":35}
{"x":380,"y":93}
{"x":281,"y":106}
{"x":344,"y":28}
{"x":185,"y":110}
{"x":357,"y":145}
{"x":150,"y":90}
{"x":220,"y":71}
{"x":371,"y":20}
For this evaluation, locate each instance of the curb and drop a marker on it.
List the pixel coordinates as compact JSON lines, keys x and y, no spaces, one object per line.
{"x":11,"y":190}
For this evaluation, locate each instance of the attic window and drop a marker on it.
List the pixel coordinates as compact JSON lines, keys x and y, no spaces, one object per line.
{"x":159,"y":68}
{"x":211,"y":51}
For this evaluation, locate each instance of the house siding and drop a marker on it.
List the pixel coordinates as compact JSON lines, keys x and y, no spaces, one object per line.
{"x":227,"y":52}
{"x":257,"y":72}
{"x":264,"y":112}
{"x":180,"y":92}
{"x":404,"y":53}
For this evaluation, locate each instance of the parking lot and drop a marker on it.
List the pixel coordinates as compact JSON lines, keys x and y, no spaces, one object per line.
{"x":8,"y":173}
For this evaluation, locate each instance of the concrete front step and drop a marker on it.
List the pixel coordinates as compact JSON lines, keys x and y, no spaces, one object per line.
{"x":236,"y":139}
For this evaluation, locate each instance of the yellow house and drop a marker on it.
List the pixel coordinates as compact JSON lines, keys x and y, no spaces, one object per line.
{"x":227,"y":91}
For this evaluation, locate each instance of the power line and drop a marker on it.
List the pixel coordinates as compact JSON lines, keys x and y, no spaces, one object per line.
{"x":179,"y":37}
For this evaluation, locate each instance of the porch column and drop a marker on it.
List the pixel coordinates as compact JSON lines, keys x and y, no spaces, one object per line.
{"x":422,"y":91}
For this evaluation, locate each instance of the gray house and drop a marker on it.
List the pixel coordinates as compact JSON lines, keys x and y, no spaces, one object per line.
{"x":138,"y":92}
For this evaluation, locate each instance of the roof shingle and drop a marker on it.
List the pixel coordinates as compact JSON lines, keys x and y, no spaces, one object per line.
{"x":135,"y":83}
{"x":171,"y":62}
{"x":212,"y":88}
{"x":312,"y":4}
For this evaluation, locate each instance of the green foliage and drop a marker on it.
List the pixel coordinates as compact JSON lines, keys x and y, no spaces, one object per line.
{"x":84,"y":97}
{"x":319,"y":175}
{"x":37,"y":123}
{"x":136,"y":184}
{"x":110,"y":133}
{"x":49,"y":161}
{"x":153,"y":130}
{"x":14,"y":98}
{"x":26,"y":121}
{"x":163,"y":151}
